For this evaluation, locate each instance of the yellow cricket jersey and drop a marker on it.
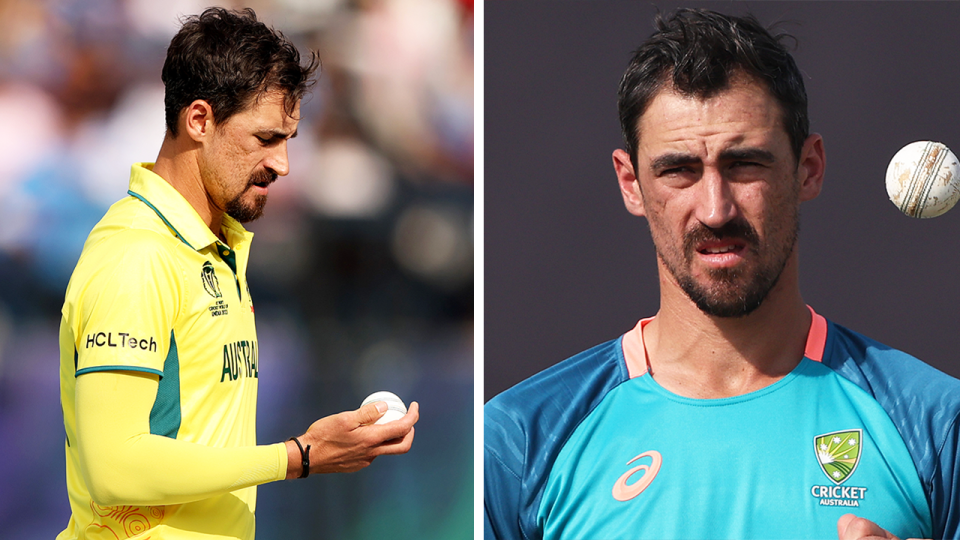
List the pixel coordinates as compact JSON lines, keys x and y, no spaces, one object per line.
{"x":155,"y":291}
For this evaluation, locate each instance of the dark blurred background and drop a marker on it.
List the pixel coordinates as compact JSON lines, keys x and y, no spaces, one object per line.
{"x":362,"y":266}
{"x":566,"y":267}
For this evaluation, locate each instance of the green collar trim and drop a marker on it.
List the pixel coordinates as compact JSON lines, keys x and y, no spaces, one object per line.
{"x":228,"y":255}
{"x":154,"y":208}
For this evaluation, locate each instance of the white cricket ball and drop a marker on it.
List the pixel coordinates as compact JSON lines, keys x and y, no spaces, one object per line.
{"x":922,"y":179}
{"x":395,"y":407}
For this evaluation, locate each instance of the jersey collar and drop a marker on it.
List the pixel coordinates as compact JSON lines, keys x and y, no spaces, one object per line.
{"x":635,"y":352}
{"x":176,"y":212}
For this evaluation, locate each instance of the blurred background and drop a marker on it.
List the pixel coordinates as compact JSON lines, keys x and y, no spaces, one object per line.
{"x":566,"y":267}
{"x":362,"y":266}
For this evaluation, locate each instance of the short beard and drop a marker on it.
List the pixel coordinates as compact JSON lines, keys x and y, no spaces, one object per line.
{"x":245,"y":213}
{"x":729,"y":296}
{"x":740,"y":305}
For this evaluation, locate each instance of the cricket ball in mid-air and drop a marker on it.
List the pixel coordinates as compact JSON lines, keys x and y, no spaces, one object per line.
{"x":923,"y":179}
{"x":395,"y":407}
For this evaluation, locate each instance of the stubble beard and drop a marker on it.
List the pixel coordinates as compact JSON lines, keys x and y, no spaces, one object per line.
{"x":244,"y":211}
{"x":730,"y":292}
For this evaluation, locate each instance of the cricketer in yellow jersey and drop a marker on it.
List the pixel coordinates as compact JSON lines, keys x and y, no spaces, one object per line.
{"x":158,"y":350}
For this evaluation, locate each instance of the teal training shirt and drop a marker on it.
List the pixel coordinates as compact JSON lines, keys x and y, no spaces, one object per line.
{"x":595,"y":449}
{"x":741,"y":467}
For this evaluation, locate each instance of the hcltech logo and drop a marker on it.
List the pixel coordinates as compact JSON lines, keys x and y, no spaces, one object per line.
{"x":838,"y":455}
{"x":210,"y":282}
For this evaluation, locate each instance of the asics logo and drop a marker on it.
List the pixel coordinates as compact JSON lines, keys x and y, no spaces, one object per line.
{"x":623,"y":491}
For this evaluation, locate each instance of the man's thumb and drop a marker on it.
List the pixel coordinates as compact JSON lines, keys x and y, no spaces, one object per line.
{"x":371,"y":412}
{"x":851,"y":527}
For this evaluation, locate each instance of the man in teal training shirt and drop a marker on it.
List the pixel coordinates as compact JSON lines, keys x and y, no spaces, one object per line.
{"x":736,"y":411}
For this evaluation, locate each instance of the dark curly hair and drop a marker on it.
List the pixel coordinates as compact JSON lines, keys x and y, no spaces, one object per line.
{"x":229,"y":59}
{"x":697,"y":51}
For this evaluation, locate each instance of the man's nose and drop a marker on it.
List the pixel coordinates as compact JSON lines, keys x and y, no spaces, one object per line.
{"x":277,"y":161}
{"x":716,"y":205}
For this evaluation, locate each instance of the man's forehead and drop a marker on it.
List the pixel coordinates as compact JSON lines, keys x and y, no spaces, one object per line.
{"x":270,"y":110}
{"x":274,"y":99}
{"x":738,"y":80}
{"x":742,"y":105}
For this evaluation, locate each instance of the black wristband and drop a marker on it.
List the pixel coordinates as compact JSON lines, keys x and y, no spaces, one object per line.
{"x":304,"y":457}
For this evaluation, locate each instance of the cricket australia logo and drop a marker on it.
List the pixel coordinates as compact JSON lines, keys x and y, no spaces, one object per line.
{"x":210,"y":282}
{"x":838,"y":454}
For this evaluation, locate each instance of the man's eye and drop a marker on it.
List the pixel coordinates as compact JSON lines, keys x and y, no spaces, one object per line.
{"x":261,"y":139}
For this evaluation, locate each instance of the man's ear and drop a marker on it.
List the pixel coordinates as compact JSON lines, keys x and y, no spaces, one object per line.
{"x":198,"y":120}
{"x":811,"y":167}
{"x":629,"y":185}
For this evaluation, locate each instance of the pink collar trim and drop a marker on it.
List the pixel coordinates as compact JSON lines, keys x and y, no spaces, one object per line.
{"x":635,"y":352}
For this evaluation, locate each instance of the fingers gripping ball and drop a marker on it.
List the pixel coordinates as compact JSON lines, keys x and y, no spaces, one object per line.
{"x":922,"y":179}
{"x":396,"y":409}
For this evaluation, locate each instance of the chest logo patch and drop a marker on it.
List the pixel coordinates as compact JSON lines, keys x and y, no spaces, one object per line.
{"x":838,"y":453}
{"x":623,"y":491}
{"x":210,"y":282}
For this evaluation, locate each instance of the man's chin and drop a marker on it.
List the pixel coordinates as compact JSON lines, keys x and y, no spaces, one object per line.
{"x":727,"y":310}
{"x":726,"y":300}
{"x":246,"y":212}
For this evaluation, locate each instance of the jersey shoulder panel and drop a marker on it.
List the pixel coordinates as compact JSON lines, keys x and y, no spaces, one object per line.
{"x":923,"y":403}
{"x":127,"y":285}
{"x":129,"y":215}
{"x":526,"y":426}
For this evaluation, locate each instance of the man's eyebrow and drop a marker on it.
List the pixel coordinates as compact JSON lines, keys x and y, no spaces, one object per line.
{"x":673,"y":159}
{"x":748,"y":154}
{"x":678,"y":159}
{"x":278,"y":134}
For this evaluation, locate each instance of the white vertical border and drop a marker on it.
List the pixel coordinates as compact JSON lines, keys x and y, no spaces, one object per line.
{"x":478,"y":28}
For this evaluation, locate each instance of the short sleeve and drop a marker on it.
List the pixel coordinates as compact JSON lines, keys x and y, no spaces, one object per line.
{"x":126,"y":292}
{"x":945,"y":500}
{"x":502,"y":456}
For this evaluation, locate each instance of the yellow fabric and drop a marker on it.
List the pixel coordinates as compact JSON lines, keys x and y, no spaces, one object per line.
{"x":123,"y":464}
{"x":158,"y":369}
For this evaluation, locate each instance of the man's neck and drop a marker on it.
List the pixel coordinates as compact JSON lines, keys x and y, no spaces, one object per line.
{"x":177,"y":165}
{"x":697,"y":355}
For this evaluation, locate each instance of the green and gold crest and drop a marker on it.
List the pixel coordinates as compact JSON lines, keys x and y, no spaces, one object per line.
{"x":838,"y":453}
